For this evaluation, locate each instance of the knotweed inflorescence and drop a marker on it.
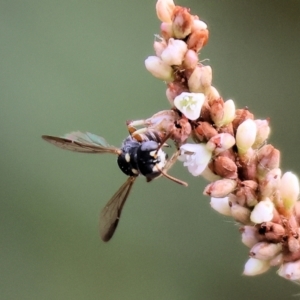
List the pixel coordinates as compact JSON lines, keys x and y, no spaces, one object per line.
{"x":230,"y":146}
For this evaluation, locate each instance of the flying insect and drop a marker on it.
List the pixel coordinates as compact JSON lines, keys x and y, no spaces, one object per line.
{"x":138,"y":155}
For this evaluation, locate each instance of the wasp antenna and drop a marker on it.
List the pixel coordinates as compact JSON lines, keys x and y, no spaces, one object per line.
{"x":171,"y":177}
{"x":163,"y":142}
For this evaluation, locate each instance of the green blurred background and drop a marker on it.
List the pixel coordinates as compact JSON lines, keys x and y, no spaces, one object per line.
{"x":69,"y":65}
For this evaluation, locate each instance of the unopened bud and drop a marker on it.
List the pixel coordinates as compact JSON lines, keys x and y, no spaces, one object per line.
{"x":270,"y":183}
{"x":158,"y":68}
{"x":250,"y":236}
{"x":241,"y":115}
{"x":166,"y":30}
{"x":225,"y":167}
{"x":263,"y":132}
{"x":293,"y":244}
{"x":204,"y":131}
{"x":174,"y":52}
{"x":265,"y":250}
{"x":164,"y":10}
{"x":209,"y":175}
{"x":246,"y":195}
{"x":199,"y":25}
{"x":290,"y":270}
{"x":182,"y":22}
{"x":197,"y":39}
{"x":221,"y":205}
{"x":212,"y":95}
{"x":217,"y":110}
{"x":159,"y":47}
{"x":245,"y":136}
{"x":220,"y":142}
{"x":272,"y":232}
{"x":160,"y":121}
{"x":289,"y":190}
{"x":255,"y":267}
{"x":190,"y":59}
{"x":200,"y":79}
{"x":276,"y":260}
{"x":220,"y":188}
{"x":262,"y":212}
{"x":228,"y":114}
{"x":268,"y":159}
{"x":174,"y":89}
{"x":240,"y":213}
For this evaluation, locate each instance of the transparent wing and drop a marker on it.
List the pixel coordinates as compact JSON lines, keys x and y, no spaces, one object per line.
{"x":110,"y":214}
{"x":82,"y":142}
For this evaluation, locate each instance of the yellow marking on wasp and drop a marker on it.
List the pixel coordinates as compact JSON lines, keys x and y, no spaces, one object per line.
{"x":134,"y":171}
{"x":127,"y":157}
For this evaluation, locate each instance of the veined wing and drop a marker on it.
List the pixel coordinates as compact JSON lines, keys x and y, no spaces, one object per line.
{"x":110,"y":214}
{"x":82,"y":142}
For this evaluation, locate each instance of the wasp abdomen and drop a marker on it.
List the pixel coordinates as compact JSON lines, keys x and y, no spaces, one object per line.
{"x":127,"y":159}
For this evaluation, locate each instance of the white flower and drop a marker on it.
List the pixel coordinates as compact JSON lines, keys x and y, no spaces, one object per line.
{"x":195,"y":157}
{"x":190,"y":104}
{"x":262,"y":212}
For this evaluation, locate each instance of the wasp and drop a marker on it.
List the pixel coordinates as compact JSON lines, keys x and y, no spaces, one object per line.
{"x":139,"y":155}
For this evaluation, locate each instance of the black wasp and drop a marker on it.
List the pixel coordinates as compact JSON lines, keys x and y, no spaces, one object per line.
{"x":140,"y":154}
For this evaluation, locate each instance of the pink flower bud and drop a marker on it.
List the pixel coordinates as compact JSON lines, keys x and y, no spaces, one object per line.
{"x":182,"y":22}
{"x":220,"y":188}
{"x":225,"y":167}
{"x":174,"y":52}
{"x":197,"y":39}
{"x":212,"y":95}
{"x":270,"y":183}
{"x":289,"y":189}
{"x":174,"y":89}
{"x":240,"y":213}
{"x":277,"y":260}
{"x":245,"y":136}
{"x":250,"y":236}
{"x":191,"y":59}
{"x":268,"y":158}
{"x":159,"y":47}
{"x":200,"y":79}
{"x":164,"y":10}
{"x":166,"y":30}
{"x":265,"y":250}
{"x":255,"y":267}
{"x":241,"y":115}
{"x":158,"y":68}
{"x":221,"y":205}
{"x":220,"y":142}
{"x":290,"y":271}
{"x":199,"y":25}
{"x":263,"y":132}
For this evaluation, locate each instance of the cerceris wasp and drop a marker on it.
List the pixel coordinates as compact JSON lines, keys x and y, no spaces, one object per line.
{"x":138,"y":155}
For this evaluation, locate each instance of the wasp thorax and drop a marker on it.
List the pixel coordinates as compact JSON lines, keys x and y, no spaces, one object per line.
{"x":149,"y":160}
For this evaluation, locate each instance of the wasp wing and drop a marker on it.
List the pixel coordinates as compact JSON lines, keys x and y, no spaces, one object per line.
{"x":110,"y":214}
{"x":82,"y":142}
